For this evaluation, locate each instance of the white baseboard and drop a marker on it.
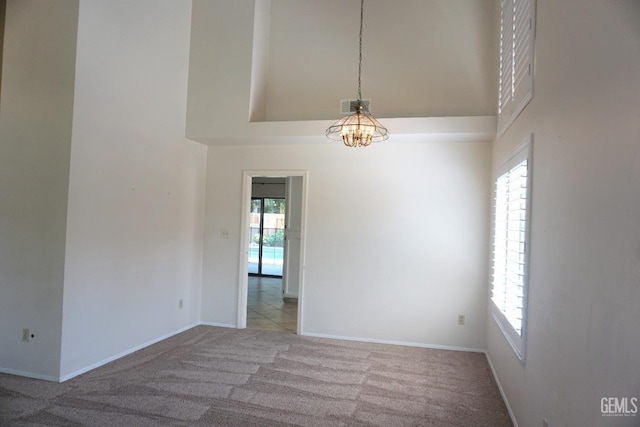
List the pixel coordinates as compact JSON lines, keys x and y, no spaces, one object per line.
{"x":404,"y":343}
{"x":28,"y":374}
{"x":93,"y":366}
{"x":504,"y":396}
{"x":124,"y":353}
{"x":220,"y":325}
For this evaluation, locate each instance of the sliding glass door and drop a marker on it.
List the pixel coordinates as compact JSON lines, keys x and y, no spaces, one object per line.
{"x":266,"y":244}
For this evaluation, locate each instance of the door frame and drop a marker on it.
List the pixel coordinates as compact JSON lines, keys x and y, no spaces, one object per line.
{"x":243,"y":274}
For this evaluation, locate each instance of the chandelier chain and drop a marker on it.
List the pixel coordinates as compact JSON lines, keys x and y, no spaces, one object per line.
{"x":360,"y":51}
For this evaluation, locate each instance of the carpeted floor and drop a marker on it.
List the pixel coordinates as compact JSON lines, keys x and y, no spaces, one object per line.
{"x":210,"y":376}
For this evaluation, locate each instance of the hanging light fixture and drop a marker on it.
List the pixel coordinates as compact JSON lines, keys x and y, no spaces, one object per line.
{"x":359,"y":129}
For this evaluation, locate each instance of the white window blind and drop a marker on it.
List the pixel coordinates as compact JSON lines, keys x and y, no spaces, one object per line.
{"x":510,"y":246}
{"x":517,"y":34}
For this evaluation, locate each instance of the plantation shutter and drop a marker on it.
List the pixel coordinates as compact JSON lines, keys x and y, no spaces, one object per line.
{"x":505,"y":104}
{"x":511,"y":226}
{"x":517,"y":31}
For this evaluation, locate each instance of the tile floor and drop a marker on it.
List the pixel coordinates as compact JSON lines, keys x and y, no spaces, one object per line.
{"x":266,"y":308}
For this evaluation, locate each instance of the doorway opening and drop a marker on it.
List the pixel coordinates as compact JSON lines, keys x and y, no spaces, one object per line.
{"x":267,"y":309}
{"x":271,"y":277}
{"x":266,"y":236}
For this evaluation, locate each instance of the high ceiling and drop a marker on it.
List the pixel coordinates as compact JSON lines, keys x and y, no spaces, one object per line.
{"x":278,"y":69}
{"x":421,"y":58}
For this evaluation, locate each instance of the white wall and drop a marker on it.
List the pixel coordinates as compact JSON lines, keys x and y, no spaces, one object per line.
{"x":420,"y":58}
{"x":134,"y":236}
{"x":585,"y":243}
{"x":220,"y":65}
{"x":396,"y":242}
{"x":36,"y":107}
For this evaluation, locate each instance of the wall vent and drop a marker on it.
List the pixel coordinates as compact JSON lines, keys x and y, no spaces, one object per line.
{"x":348,"y":106}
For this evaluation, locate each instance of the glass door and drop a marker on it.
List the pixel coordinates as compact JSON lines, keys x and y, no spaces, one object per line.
{"x":266,"y":244}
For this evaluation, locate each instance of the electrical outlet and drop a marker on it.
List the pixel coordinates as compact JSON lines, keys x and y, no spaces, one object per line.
{"x":461,"y":319}
{"x":224,"y":233}
{"x":26,"y":334}
{"x":180,"y":303}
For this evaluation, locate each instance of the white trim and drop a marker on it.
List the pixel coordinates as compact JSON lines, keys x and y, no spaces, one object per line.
{"x":525,"y":88}
{"x":517,"y":342}
{"x":506,"y":124}
{"x":473,"y":129}
{"x":524,"y":150}
{"x":509,"y":334}
{"x":247,"y":176}
{"x":28,"y":375}
{"x":243,"y":255}
{"x":112,"y":358}
{"x":218,"y":325}
{"x":502,"y":393}
{"x":125,"y":353}
{"x":392,"y":342}
{"x":229,"y":326}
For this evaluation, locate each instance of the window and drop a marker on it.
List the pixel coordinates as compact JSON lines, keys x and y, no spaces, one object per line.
{"x":512,"y":215}
{"x":517,"y":31}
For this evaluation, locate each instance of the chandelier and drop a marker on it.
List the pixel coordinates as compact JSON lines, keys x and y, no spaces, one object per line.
{"x":359,"y":129}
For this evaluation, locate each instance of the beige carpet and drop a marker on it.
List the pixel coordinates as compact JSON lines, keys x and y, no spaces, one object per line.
{"x":212,"y":376}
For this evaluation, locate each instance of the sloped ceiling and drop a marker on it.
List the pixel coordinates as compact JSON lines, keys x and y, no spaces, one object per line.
{"x":278,"y":68}
{"x":421,"y":58}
